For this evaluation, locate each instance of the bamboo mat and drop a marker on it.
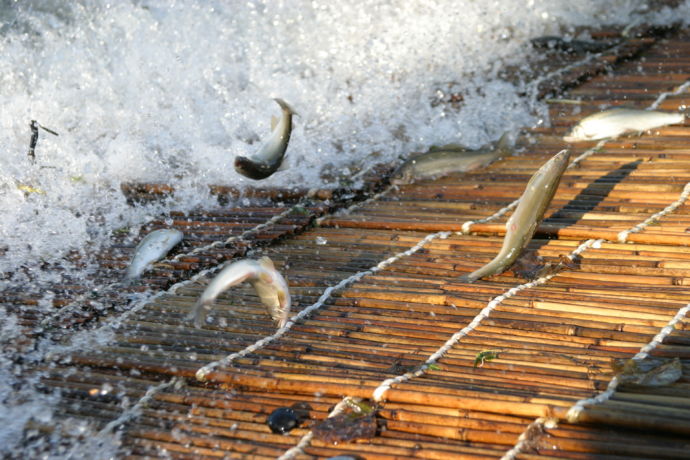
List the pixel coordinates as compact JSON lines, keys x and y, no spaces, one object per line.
{"x":386,"y":319}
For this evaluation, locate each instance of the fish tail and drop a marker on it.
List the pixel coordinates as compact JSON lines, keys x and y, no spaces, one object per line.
{"x":468,"y":278}
{"x":198,"y":312}
{"x":282,"y":322}
{"x":505,"y":143}
{"x":498,"y":265}
{"x":284,"y":105}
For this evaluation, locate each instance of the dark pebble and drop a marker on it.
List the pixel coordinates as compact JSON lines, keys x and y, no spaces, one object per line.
{"x":282,"y":420}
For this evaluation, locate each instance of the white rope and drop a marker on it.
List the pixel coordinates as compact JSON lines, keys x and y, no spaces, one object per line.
{"x":623,"y":236}
{"x":466,"y":227}
{"x":203,"y":372}
{"x":118,"y":284}
{"x":233,"y":239}
{"x":535,"y":83}
{"x":381,"y":390}
{"x":662,"y":97}
{"x":575,"y":411}
{"x":533,"y":430}
{"x":359,"y":204}
{"x":306,"y":439}
{"x":135,"y":410}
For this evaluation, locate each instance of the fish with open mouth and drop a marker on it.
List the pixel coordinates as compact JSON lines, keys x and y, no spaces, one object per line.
{"x":614,"y":122}
{"x":270,"y":157}
{"x":151,"y":248}
{"x":268,"y":283}
{"x":527,"y":216}
{"x":452,"y":158}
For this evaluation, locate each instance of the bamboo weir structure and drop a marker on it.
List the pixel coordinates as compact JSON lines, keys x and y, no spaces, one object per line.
{"x":404,"y":359}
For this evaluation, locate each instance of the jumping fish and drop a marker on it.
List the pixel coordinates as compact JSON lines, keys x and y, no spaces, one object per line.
{"x":614,"y":122}
{"x":452,"y":158}
{"x":527,"y":216}
{"x":151,"y":248}
{"x":264,"y":278}
{"x":269,"y":158}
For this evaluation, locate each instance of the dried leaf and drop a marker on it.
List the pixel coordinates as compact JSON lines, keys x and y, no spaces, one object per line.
{"x":528,"y":265}
{"x":483,"y":356}
{"x":345,"y":428}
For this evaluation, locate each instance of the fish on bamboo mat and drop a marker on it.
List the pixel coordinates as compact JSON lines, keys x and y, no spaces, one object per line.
{"x":447,"y":159}
{"x":650,"y":372}
{"x":614,"y":122}
{"x":527,"y":216}
{"x":268,"y":283}
{"x":151,"y":248}
{"x":270,"y":157}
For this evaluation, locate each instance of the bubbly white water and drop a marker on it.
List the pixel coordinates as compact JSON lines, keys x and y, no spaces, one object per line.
{"x":171,"y":91}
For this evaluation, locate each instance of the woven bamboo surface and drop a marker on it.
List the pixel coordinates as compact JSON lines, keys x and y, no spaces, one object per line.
{"x":547,"y":344}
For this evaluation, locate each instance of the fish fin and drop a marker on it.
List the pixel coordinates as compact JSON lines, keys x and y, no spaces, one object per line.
{"x":128,"y":281}
{"x":265,"y":277}
{"x":452,"y":147}
{"x":267,"y":263}
{"x":283,"y":165}
{"x":505,"y":143}
{"x":198,"y":313}
{"x":467,"y":278}
{"x":282,"y":312}
{"x":274,"y":122}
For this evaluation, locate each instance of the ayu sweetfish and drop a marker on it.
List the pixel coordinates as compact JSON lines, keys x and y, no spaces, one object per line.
{"x":614,"y":122}
{"x":153,"y":247}
{"x":452,"y":158}
{"x":527,"y":216}
{"x":270,"y":156}
{"x":268,"y":283}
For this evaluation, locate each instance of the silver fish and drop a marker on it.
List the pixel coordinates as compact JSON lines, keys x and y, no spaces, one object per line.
{"x":614,"y":122}
{"x":151,"y":248}
{"x":264,"y":278}
{"x":269,"y":158}
{"x":527,"y":216}
{"x":452,"y":158}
